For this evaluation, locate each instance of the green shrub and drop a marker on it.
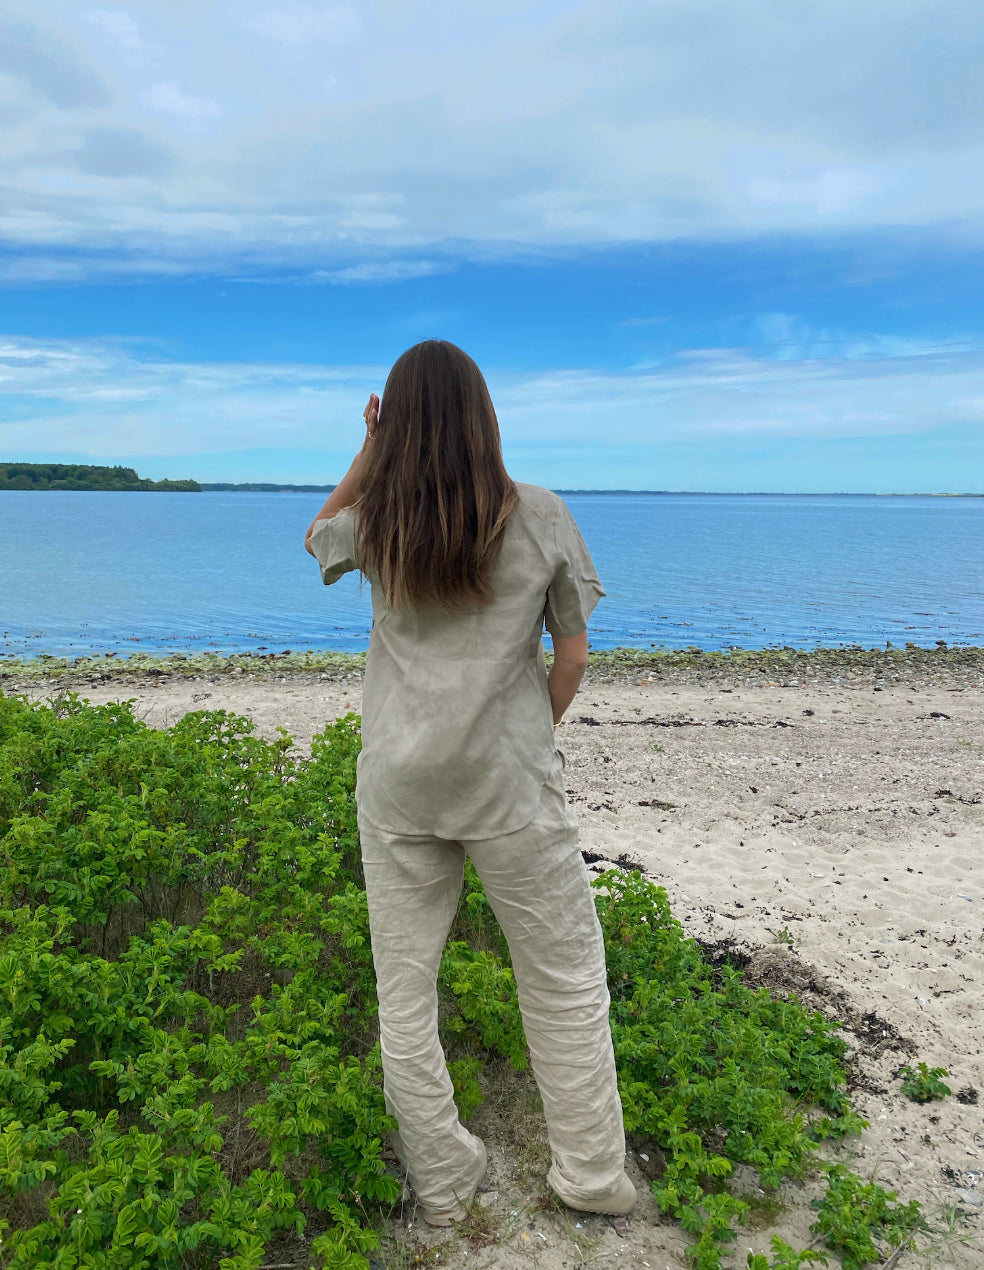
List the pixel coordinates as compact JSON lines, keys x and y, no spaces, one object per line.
{"x":715,"y":1073}
{"x":183,"y":951}
{"x":925,"y":1083}
{"x":189,"y":1065}
{"x":785,"y":1258}
{"x":854,"y":1216}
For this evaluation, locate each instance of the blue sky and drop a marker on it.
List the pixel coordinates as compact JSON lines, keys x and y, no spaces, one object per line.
{"x":693,"y":246}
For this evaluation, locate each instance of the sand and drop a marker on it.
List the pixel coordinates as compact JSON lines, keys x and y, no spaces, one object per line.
{"x":843,"y":812}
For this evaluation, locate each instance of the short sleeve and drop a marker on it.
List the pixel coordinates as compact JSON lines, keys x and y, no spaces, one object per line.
{"x":574,"y":589}
{"x":333,"y":544}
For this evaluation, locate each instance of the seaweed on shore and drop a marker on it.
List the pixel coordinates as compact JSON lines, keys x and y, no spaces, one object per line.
{"x":177,"y":665}
{"x":782,"y":665}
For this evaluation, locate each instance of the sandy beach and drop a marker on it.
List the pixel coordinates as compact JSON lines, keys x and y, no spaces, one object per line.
{"x":826,"y":826}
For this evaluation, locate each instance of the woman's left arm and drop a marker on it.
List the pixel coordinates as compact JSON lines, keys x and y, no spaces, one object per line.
{"x":346,"y":491}
{"x":569,"y":664}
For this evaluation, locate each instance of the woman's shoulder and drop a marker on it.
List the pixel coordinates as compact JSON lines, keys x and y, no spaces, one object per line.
{"x":540,"y":503}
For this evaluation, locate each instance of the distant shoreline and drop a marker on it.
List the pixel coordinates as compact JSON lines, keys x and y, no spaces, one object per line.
{"x":183,"y":487}
{"x":261,"y":487}
{"x":250,"y":488}
{"x":713,"y":493}
{"x":87,"y":478}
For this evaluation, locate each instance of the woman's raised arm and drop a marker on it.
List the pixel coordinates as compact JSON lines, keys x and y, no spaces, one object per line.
{"x":346,"y":491}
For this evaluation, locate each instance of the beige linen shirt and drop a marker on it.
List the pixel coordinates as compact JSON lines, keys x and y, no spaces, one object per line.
{"x":457,"y":726}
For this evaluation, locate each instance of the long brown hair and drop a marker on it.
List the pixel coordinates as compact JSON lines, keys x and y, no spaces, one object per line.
{"x":434,"y":492}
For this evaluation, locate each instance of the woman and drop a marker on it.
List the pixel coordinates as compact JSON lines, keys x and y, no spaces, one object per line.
{"x":458,"y":756}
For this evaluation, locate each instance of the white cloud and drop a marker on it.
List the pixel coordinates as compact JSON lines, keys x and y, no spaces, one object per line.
{"x":380,"y":271}
{"x":32,"y":267}
{"x":826,"y":194}
{"x":172,"y":100}
{"x":720,"y":393}
{"x":301,"y":23}
{"x":103,"y":399}
{"x":787,"y":337}
{"x":334,"y":131}
{"x":120,"y":27}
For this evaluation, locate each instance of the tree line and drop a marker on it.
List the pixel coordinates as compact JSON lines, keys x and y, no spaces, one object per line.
{"x":82,"y":476}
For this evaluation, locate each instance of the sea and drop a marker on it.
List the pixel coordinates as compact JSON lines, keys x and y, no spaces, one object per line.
{"x":93,"y":572}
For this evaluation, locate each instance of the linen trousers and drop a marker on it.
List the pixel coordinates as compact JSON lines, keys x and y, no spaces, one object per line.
{"x":538,"y":887}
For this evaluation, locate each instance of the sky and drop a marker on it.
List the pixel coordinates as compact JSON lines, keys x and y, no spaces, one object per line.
{"x":693,"y":245}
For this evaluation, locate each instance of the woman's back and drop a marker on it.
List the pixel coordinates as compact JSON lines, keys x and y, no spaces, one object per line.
{"x":457,"y":727}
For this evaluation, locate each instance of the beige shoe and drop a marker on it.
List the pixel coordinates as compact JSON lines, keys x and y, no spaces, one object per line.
{"x":459,"y":1210}
{"x":443,"y":1216}
{"x":616,"y":1203}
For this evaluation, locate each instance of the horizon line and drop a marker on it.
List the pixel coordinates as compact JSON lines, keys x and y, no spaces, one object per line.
{"x":289,"y":487}
{"x":285,"y":486}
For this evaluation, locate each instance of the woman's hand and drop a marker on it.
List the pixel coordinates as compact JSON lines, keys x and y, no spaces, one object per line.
{"x":371,"y":415}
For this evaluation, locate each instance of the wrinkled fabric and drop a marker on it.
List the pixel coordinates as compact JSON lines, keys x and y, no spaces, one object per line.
{"x":538,"y":887}
{"x":457,"y":727}
{"x":459,"y":756}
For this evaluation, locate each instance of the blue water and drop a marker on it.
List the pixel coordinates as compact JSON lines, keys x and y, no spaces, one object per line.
{"x":84,"y":572}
